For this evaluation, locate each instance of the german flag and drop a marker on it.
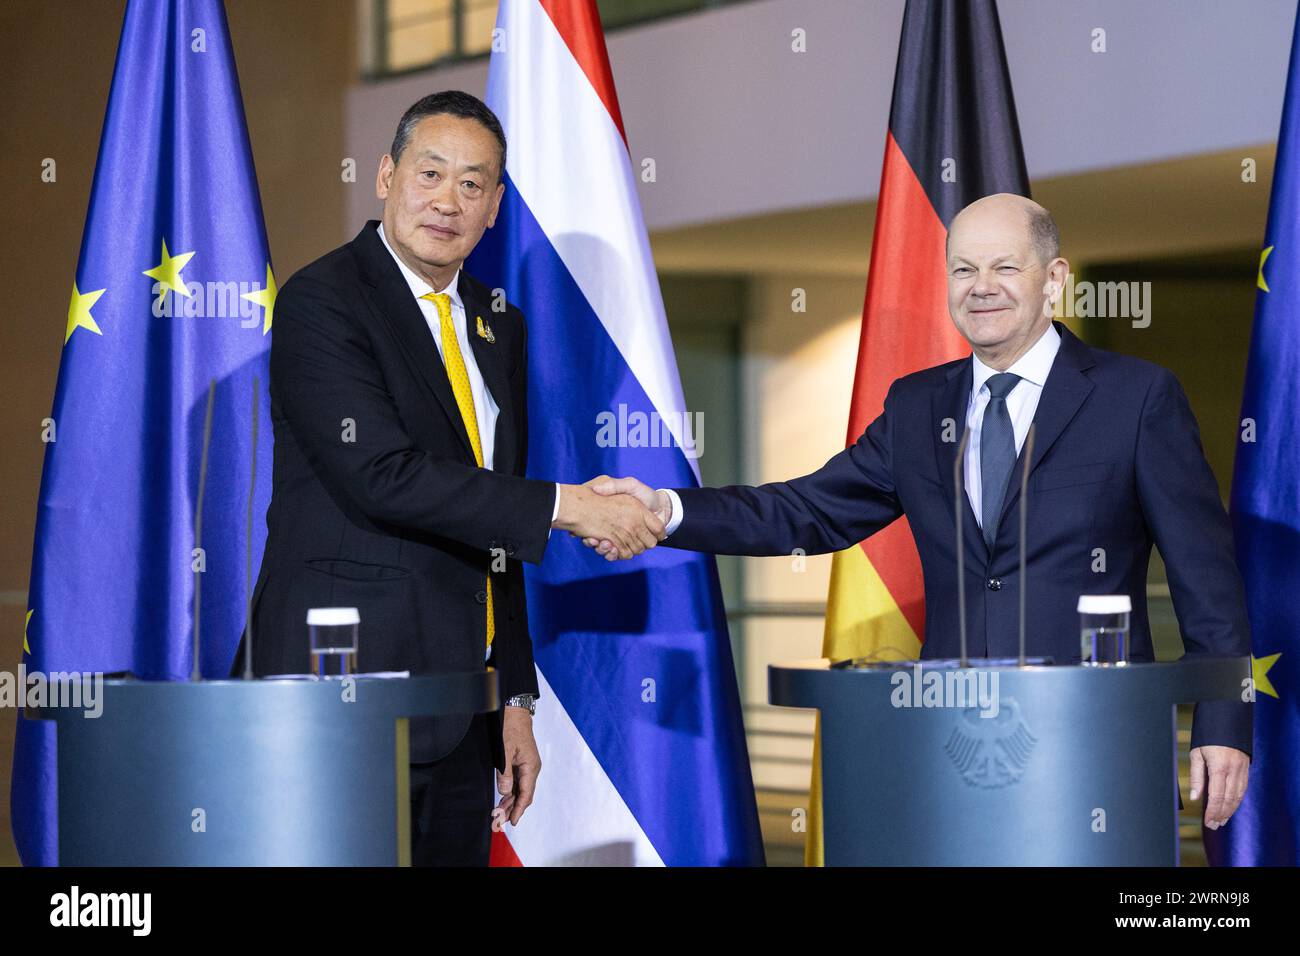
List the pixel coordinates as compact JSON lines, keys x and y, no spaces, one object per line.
{"x":953,"y":138}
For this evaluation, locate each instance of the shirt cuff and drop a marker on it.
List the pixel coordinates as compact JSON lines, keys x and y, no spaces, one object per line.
{"x":555,"y":512}
{"x":676,"y":519}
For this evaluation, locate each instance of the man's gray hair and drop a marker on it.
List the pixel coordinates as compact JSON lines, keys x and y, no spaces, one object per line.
{"x":1044,"y":237}
{"x":1043,"y":234}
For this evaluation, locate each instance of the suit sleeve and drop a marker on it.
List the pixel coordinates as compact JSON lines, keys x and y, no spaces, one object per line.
{"x":324,"y":377}
{"x":848,"y":499}
{"x":1180,"y":501}
{"x":518,"y":674}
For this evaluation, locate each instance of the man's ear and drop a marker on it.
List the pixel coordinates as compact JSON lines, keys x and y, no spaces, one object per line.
{"x":496,"y":205}
{"x":1058,"y":270}
{"x":384,"y":179}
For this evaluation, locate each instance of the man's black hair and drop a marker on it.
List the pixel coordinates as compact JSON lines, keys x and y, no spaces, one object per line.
{"x":453,"y":103}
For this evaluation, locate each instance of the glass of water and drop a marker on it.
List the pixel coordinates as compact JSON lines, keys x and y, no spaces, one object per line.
{"x":333,"y":635}
{"x":1104,"y":629}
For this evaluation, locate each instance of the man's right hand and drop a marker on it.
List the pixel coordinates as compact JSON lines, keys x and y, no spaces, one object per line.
{"x":657,"y":502}
{"x":621,"y":521}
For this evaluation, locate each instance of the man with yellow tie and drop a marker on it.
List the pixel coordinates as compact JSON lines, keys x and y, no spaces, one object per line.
{"x":399,"y":403}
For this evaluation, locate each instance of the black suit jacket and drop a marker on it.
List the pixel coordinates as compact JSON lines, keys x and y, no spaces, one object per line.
{"x":377,"y":501}
{"x":1117,"y":466}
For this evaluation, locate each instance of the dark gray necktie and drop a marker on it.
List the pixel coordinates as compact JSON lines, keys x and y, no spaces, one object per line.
{"x":997,"y":453}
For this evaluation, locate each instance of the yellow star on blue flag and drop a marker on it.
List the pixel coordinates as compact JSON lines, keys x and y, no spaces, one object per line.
{"x":168,"y":271}
{"x":79,"y":316}
{"x":1259,"y":668}
{"x":265,"y":298}
{"x":1259,"y":279}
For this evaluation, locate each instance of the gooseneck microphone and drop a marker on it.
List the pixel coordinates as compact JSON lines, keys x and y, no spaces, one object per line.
{"x":195,"y":673}
{"x":1024,"y":511}
{"x":958,"y":490}
{"x":248,"y":550}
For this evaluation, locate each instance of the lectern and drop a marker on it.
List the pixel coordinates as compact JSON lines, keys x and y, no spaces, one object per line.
{"x":1076,"y":766}
{"x":247,"y":773}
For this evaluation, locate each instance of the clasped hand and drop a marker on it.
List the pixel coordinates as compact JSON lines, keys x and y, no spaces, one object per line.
{"x":618,"y":517}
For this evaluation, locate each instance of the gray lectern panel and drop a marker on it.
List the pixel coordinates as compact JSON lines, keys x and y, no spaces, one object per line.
{"x":248,"y":773}
{"x":1052,"y":766}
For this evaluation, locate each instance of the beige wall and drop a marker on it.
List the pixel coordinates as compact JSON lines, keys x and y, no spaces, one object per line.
{"x":295,"y":58}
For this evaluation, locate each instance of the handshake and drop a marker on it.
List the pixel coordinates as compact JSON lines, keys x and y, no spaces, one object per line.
{"x":618,"y":517}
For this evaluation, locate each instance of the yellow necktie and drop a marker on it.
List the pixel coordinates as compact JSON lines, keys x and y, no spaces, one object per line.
{"x":455,"y":363}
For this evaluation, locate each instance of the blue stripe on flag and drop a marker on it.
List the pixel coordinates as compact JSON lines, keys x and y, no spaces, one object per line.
{"x":602,"y":630}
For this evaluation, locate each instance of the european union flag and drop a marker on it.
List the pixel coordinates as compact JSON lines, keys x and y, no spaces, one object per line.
{"x":173,"y":289}
{"x":1265,"y":831}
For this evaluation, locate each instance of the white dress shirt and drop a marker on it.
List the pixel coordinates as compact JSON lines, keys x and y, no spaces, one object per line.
{"x":1022,"y":402}
{"x":485,"y":407}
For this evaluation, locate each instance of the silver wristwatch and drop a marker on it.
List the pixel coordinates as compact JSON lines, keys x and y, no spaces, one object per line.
{"x":524,"y":700}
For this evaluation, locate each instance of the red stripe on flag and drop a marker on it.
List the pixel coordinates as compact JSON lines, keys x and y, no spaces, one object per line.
{"x":905,"y":328}
{"x":578,"y":22}
{"x":502,"y":853}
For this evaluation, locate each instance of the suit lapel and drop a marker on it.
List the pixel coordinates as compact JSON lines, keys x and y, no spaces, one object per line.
{"x":1064,"y":393}
{"x":399,"y":309}
{"x":491,"y":360}
{"x":950,"y":402}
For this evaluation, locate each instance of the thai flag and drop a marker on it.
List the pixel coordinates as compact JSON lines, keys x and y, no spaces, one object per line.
{"x":639,"y":726}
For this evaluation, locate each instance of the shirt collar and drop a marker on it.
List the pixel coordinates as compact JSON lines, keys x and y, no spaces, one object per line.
{"x":420,"y":288}
{"x":1033,"y":366}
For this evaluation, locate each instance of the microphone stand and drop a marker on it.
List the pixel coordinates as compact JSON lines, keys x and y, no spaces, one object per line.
{"x":959,"y":489}
{"x":195,"y":672}
{"x":248,"y":550}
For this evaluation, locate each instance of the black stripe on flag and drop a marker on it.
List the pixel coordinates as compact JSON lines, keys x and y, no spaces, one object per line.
{"x":953,"y":101}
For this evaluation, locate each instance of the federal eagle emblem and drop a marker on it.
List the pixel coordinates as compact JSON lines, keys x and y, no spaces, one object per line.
{"x":991,"y":752}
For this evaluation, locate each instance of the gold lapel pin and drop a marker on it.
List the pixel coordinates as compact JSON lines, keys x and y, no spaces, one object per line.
{"x":485,"y":330}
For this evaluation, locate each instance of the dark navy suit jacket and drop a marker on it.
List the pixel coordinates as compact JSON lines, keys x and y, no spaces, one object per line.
{"x":1117,"y":465}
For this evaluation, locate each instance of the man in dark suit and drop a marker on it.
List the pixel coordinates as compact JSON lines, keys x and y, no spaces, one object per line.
{"x":399,"y":403}
{"x":1117,"y":465}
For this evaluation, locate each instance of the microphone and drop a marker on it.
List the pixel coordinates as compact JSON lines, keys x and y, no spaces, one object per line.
{"x":1024,"y":511}
{"x":248,"y":550}
{"x":959,"y":489}
{"x":195,"y":674}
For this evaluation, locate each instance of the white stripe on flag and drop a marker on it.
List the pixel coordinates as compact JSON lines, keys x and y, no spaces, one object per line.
{"x":572,"y":168}
{"x":577,"y":817}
